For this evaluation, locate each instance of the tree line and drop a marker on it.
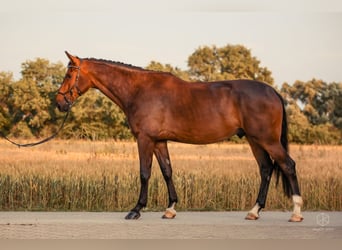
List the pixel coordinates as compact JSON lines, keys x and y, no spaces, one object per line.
{"x":27,"y":105}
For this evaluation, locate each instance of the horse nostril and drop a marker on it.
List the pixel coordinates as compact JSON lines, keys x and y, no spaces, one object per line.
{"x":60,"y":107}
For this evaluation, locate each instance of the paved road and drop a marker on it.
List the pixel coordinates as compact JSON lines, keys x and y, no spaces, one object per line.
{"x":187,"y":225}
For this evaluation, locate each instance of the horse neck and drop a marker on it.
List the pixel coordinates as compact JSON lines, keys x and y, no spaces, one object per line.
{"x":116,"y":82}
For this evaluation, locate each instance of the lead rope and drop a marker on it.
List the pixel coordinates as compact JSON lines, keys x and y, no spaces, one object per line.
{"x":39,"y":142}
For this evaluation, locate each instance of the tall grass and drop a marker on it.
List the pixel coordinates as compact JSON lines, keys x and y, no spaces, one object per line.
{"x":104,"y":176}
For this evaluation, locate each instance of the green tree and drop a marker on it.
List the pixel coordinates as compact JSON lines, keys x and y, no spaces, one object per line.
{"x":333,"y":104}
{"x":226,"y":63}
{"x":94,"y":116}
{"x":6,"y":81}
{"x":48,"y":77}
{"x":28,"y":107}
{"x":314,"y":111}
{"x":32,"y":106}
{"x":309,"y":94}
{"x":321,"y":102}
{"x":157,"y":66}
{"x":299,"y":126}
{"x":42,"y":72}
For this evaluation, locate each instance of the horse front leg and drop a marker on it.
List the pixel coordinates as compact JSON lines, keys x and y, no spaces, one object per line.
{"x":266,"y":168}
{"x":145,"y":149}
{"x":162,"y":154}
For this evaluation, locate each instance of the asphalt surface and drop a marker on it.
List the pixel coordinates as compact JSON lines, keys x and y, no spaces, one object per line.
{"x":186,"y":225}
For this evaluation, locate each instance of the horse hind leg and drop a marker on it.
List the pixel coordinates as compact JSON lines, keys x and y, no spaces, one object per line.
{"x":289,"y":170}
{"x":266,"y":168}
{"x":297,"y":203}
{"x":290,"y":182}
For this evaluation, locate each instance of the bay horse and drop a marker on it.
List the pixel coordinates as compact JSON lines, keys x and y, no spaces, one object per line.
{"x":160,"y":107}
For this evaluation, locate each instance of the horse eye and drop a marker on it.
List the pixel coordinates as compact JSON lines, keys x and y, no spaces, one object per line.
{"x":68,"y":76}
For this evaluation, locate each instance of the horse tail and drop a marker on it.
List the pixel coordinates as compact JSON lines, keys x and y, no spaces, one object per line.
{"x":284,"y":142}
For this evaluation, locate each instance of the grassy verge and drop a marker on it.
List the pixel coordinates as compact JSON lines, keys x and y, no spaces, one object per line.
{"x":103,"y":176}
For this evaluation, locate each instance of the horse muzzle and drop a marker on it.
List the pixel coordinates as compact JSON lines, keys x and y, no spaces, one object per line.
{"x":62,"y":103}
{"x":63,"y":107}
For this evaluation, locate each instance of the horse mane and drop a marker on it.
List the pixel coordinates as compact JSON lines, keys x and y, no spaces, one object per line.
{"x":116,"y":63}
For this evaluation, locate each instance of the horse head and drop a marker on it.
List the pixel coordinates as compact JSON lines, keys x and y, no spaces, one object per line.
{"x":75,"y":83}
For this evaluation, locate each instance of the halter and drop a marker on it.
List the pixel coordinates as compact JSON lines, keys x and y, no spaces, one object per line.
{"x":75,"y":86}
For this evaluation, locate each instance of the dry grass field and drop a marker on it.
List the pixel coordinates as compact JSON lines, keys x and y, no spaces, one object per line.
{"x":104,"y":176}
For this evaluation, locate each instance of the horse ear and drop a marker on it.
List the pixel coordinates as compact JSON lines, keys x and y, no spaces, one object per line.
{"x":73,"y":59}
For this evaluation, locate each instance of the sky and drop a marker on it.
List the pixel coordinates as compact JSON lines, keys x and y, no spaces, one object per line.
{"x":295,"y":39}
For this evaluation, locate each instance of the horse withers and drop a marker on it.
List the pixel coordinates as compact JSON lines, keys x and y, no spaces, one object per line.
{"x":161,"y":107}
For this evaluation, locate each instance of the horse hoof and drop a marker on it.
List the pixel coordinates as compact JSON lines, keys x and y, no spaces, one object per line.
{"x":251,"y":216}
{"x":170,"y":213}
{"x":132,"y":215}
{"x":296,"y":218}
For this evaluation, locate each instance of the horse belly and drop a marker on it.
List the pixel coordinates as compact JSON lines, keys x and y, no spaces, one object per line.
{"x":202,"y":130}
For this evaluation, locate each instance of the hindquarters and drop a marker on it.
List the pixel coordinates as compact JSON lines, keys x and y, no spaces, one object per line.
{"x":264,"y":122}
{"x":265,"y":125}
{"x":261,"y":110}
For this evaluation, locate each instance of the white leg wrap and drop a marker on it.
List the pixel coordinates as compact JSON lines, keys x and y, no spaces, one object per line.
{"x":170,"y":212}
{"x":297,"y":203}
{"x":253,"y":214}
{"x":255,"y":209}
